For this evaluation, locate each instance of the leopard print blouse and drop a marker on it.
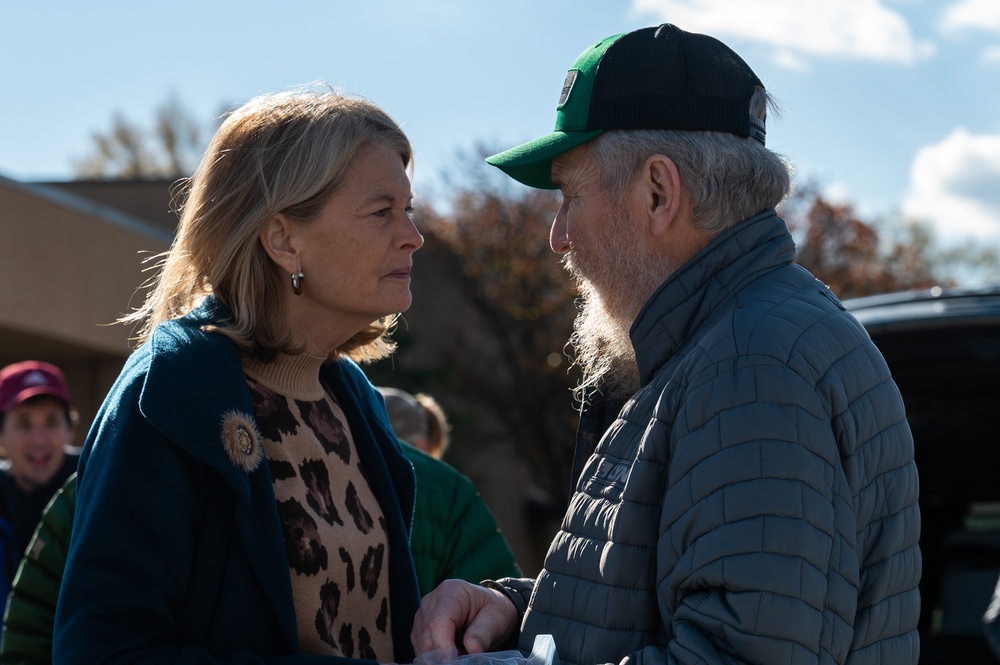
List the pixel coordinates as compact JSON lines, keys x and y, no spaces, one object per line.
{"x":334,"y":529}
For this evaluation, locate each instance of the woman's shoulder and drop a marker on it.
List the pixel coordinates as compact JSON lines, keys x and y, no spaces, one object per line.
{"x":191,"y":332}
{"x":178,"y":355}
{"x":180,"y":384}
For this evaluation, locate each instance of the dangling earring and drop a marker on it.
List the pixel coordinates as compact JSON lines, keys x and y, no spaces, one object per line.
{"x":297,"y":279}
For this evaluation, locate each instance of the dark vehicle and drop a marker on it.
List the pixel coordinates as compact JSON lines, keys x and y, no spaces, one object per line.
{"x":943,"y":348}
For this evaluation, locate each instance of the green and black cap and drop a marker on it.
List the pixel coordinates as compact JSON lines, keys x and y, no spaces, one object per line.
{"x":652,"y":78}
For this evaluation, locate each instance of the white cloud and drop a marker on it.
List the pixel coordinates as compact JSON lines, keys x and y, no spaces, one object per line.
{"x":971,"y":14}
{"x":838,"y":193}
{"x":991,"y":55}
{"x":791,"y":60}
{"x":955,"y":185}
{"x":797,"y":29}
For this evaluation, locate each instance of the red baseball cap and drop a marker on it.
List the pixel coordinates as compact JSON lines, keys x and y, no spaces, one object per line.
{"x":30,"y":378}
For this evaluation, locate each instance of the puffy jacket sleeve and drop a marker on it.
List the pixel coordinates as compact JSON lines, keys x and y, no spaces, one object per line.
{"x":518,"y":591}
{"x":755,"y":540}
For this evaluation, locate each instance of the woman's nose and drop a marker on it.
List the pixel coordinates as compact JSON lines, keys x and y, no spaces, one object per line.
{"x":413,"y":238}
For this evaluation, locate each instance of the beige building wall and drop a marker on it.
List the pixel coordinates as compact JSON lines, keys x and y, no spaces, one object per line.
{"x":69,"y":268}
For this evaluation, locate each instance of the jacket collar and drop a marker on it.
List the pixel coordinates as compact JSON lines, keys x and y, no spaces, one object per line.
{"x":195,"y":377}
{"x":198,"y":374}
{"x":699,"y":289}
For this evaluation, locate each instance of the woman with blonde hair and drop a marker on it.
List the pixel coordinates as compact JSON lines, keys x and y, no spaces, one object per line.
{"x":241,"y":496}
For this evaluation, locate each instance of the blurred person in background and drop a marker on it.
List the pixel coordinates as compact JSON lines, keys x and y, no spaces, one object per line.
{"x":37,"y":429}
{"x":454,"y":533}
{"x":241,"y":496}
{"x":31,"y":604}
{"x":418,"y":420}
{"x":745,"y":487}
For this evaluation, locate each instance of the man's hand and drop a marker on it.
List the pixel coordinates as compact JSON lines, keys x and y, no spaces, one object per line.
{"x":482,"y":618}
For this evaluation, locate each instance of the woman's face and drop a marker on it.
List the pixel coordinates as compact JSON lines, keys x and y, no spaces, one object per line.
{"x":356,"y":256}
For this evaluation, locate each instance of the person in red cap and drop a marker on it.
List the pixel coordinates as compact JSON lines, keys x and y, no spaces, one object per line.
{"x":37,"y":427}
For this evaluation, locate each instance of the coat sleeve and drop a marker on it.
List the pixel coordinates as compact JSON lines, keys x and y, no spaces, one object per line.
{"x":755,"y":540}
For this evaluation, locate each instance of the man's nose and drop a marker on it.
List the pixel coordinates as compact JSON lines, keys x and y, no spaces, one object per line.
{"x":558,"y":238}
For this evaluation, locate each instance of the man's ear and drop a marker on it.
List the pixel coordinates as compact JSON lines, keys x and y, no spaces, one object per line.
{"x":278,"y":239}
{"x":662,"y":193}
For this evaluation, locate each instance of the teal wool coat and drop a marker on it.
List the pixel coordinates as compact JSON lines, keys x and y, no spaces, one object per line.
{"x":177,"y":553}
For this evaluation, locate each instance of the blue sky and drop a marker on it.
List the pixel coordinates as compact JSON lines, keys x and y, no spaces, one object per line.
{"x":893,"y":105}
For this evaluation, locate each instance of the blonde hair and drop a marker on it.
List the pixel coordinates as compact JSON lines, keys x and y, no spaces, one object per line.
{"x":437,"y":425}
{"x":278,"y":153}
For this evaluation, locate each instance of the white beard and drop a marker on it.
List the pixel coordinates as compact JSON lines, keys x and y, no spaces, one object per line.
{"x":615,"y":281}
{"x":602,"y":347}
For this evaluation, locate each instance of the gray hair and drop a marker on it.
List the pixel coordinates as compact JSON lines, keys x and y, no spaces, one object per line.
{"x":730,"y":178}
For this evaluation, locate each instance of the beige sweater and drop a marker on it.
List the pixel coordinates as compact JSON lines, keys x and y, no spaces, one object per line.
{"x":333,"y":527}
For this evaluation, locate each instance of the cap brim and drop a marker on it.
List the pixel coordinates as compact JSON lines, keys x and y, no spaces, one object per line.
{"x":28,"y":393}
{"x":531,"y":163}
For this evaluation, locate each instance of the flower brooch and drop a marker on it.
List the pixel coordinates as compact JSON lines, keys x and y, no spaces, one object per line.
{"x":241,"y":440}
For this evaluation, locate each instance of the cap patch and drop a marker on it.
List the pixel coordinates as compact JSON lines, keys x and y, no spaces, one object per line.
{"x":567,"y":87}
{"x":35,"y":378}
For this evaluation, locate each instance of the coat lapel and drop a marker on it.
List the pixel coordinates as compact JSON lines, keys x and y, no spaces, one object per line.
{"x":185,"y":396}
{"x":393,"y":484}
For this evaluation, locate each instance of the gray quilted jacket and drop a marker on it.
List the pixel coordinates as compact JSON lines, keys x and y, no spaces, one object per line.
{"x":756,"y":500}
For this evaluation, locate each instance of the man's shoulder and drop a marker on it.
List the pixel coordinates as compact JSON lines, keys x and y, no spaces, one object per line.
{"x":786,"y":288}
{"x":785,"y":318}
{"x":788,"y":309}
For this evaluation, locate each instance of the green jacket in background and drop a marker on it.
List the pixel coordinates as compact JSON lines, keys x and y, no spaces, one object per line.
{"x":31,"y":606}
{"x":454,"y":535}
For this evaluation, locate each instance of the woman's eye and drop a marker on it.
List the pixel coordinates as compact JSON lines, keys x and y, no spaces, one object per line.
{"x":409,"y":211}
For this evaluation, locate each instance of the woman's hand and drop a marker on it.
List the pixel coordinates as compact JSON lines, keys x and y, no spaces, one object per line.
{"x":482,"y":618}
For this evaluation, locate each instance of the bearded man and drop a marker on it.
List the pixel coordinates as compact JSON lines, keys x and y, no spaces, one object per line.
{"x":745,"y":490}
